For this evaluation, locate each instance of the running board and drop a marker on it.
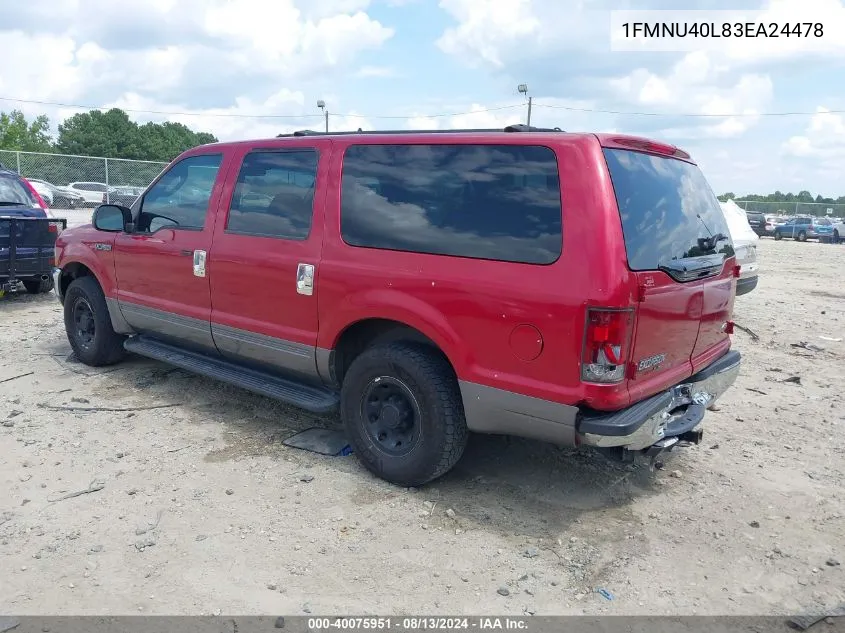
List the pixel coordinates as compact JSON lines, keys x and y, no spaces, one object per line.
{"x":313,"y":399}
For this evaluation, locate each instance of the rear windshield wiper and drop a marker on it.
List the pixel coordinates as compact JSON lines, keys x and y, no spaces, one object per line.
{"x":709,"y":243}
{"x":693,"y":267}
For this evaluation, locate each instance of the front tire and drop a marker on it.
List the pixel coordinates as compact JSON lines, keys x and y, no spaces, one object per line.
{"x":38,"y":286}
{"x":801,"y":237}
{"x":778,"y":237}
{"x":88,"y":325}
{"x":403,"y":412}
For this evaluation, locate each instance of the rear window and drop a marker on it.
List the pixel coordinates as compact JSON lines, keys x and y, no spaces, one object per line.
{"x":668,"y":211}
{"x":14,"y":193}
{"x":499,"y":202}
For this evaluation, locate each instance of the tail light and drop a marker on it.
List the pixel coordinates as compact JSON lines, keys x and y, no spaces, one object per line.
{"x":607,"y":342}
{"x":651,"y":146}
{"x":53,"y":228}
{"x":35,"y":195}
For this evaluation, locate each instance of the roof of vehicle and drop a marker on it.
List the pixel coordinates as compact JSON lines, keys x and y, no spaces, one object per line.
{"x":617,"y":141}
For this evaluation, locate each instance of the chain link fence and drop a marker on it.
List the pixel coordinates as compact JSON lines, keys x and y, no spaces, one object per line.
{"x":85,"y":176}
{"x":819,"y":209}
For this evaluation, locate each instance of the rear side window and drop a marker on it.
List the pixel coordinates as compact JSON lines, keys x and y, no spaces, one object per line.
{"x":13,"y":193}
{"x":668,"y":211}
{"x":499,"y":202}
{"x":274,"y":195}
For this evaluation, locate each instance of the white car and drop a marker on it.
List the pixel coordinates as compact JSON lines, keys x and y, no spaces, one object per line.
{"x":745,"y":246}
{"x":838,"y":229}
{"x":92,"y":192}
{"x":43,"y":190}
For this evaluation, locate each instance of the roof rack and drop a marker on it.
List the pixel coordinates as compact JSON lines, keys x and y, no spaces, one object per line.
{"x":511,"y":128}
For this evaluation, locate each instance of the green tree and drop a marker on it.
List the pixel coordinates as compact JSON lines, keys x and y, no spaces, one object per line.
{"x":96,"y":133}
{"x":18,"y":134}
{"x":114,"y":135}
{"x":165,"y":141}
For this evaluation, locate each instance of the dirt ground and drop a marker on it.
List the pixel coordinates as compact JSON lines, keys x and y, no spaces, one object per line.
{"x":197,"y":508}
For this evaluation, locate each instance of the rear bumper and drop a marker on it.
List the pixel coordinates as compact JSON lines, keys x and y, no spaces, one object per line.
{"x":744,"y":285}
{"x":57,"y":283}
{"x":673,"y":413}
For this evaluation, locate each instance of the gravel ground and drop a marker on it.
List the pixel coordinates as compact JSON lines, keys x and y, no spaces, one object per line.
{"x":196,"y":507}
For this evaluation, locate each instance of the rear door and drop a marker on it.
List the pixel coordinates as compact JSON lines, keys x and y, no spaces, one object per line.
{"x":678,"y":246}
{"x":265,"y":256}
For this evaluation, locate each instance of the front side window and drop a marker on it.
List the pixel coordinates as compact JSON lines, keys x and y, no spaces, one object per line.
{"x":498,"y":202}
{"x":274,"y":195}
{"x":180,"y":198}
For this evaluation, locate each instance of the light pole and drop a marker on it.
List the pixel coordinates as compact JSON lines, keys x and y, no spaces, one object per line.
{"x":322,"y":105}
{"x":523,"y":89}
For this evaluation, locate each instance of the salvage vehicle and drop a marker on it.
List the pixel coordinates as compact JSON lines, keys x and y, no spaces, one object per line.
{"x":27,"y":237}
{"x":745,"y":239}
{"x":426,"y":284}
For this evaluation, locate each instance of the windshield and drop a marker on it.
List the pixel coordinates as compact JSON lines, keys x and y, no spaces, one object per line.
{"x":669,"y":213}
{"x":14,"y":193}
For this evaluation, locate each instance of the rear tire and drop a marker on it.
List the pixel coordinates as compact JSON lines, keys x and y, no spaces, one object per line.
{"x":778,"y":237}
{"x":836,"y":236}
{"x":801,"y":237}
{"x":403,"y":412}
{"x":88,"y":324}
{"x":38,"y":286}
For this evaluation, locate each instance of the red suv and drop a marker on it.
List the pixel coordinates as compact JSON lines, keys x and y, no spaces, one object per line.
{"x":572,"y":288}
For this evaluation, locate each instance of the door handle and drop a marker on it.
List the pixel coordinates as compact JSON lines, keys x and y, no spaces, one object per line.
{"x":186,"y":253}
{"x":199,"y":263}
{"x":305,"y":279}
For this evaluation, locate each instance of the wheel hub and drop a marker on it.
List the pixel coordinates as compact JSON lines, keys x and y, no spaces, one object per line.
{"x":83,"y":319}
{"x":391,"y":415}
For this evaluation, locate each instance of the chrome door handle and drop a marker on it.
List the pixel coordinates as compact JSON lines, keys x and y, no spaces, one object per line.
{"x":305,"y":279}
{"x":199,"y":263}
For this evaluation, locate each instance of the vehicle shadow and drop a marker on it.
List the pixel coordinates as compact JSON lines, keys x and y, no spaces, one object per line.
{"x":509,"y":486}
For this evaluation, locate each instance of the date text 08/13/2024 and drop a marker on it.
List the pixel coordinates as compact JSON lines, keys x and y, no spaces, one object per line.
{"x":420,"y":623}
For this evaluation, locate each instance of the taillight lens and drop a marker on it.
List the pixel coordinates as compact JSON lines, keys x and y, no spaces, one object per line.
{"x":35,"y":195}
{"x":607,"y":341}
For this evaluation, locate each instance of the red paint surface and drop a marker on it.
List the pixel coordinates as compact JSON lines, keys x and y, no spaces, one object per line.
{"x":470,"y":308}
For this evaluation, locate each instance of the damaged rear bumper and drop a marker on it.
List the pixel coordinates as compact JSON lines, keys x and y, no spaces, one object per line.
{"x":658,"y":423}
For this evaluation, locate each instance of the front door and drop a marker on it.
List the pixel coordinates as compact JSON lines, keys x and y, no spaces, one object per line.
{"x":265,"y":257}
{"x":162,"y":267}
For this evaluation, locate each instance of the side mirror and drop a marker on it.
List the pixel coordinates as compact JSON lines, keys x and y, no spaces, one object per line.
{"x":112,"y":218}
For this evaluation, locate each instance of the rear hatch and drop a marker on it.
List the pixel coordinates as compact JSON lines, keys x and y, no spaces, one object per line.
{"x":679,"y":250}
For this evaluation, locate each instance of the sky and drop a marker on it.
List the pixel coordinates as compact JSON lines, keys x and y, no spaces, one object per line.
{"x":256,"y":68}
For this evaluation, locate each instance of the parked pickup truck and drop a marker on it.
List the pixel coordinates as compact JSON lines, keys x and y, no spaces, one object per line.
{"x":426,"y":285}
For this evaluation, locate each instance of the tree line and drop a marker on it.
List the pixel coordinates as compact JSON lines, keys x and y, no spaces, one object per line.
{"x":785,"y":198}
{"x":111,"y":134}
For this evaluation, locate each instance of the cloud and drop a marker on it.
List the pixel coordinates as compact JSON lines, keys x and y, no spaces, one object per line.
{"x":696,"y":85}
{"x":376,"y":72}
{"x":824,"y":138}
{"x":169,"y":50}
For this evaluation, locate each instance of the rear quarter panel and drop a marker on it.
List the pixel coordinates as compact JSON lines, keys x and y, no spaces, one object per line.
{"x":473,"y":309}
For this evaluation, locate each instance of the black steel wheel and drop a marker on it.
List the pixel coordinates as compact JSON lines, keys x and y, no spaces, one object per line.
{"x":392,"y":415}
{"x":88,"y":324}
{"x":402,"y":408}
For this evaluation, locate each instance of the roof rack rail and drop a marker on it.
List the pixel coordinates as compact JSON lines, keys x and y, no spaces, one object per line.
{"x":519,"y":127}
